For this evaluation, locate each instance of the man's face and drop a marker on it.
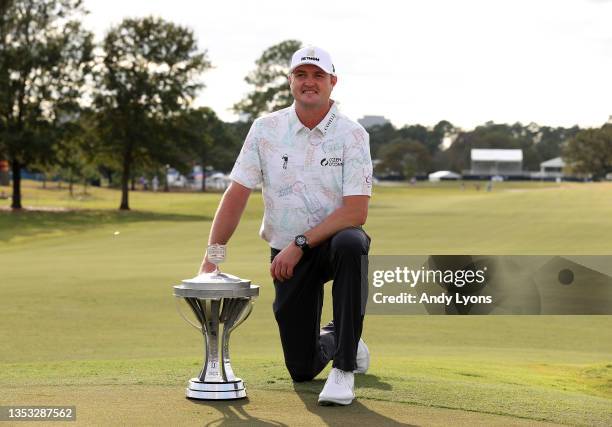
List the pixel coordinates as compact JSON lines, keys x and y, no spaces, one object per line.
{"x":311,"y":87}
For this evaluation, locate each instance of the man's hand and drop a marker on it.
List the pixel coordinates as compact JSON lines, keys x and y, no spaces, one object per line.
{"x":282,"y":267}
{"x":207,"y":267}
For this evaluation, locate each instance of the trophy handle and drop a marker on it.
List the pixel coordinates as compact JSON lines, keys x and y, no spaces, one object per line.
{"x":235,"y":311}
{"x":245,"y":315}
{"x":180,"y":312}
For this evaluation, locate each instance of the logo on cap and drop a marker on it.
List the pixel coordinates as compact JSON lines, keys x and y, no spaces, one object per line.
{"x":315,"y":56}
{"x":310,"y":56}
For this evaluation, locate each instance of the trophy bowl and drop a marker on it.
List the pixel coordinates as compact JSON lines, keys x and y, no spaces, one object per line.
{"x":220,"y":303}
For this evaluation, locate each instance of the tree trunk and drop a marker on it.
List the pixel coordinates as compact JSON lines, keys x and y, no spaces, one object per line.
{"x":203,"y":177}
{"x":125,"y":181}
{"x":16,"y":168}
{"x":44,"y":182}
{"x":70,"y":189}
{"x":133,"y":183}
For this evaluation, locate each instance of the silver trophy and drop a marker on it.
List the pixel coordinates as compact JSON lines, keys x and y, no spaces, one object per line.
{"x":220,"y":303}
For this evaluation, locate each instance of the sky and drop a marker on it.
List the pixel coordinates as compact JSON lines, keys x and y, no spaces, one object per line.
{"x":412,"y":61}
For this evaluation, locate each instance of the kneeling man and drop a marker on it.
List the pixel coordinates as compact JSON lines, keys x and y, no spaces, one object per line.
{"x":314,"y":166}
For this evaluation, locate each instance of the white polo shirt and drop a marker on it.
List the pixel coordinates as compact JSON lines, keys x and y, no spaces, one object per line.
{"x":304,"y":173}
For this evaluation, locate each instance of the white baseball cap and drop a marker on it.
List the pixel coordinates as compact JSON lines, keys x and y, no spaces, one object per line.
{"x":315,"y":56}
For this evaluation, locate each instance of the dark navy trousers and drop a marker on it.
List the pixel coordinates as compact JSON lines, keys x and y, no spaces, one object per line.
{"x":298,"y":303}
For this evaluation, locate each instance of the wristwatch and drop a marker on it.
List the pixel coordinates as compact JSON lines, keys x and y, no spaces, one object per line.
{"x":301,"y":242}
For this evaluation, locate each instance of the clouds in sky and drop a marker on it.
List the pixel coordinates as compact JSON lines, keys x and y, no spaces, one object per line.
{"x":414,"y":62}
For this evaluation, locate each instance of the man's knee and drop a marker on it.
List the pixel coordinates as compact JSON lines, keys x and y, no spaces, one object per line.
{"x":288,"y":314}
{"x":350,"y":242}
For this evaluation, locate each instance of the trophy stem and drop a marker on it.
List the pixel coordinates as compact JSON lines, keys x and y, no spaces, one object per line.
{"x":211,"y":371}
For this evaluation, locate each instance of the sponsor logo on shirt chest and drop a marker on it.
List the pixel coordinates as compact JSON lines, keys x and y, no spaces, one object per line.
{"x":331,"y":161}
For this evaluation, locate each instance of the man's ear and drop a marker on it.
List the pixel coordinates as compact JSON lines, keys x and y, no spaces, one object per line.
{"x":334,"y":80}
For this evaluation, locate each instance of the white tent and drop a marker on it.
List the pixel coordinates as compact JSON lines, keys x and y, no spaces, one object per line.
{"x":557,"y":164}
{"x":443,"y":175}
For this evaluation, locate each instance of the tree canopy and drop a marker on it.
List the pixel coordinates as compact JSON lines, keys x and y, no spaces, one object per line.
{"x":269,"y":81}
{"x":590,"y":152}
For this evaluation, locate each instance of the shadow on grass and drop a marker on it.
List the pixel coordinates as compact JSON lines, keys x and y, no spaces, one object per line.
{"x":233,"y":412}
{"x":30,"y":223}
{"x":356,"y":412}
{"x":371,"y":381}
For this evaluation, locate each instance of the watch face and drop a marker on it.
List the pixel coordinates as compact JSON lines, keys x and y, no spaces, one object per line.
{"x":300,"y":240}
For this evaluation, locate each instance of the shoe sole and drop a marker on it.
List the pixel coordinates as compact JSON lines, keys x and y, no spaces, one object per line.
{"x":341,"y":402}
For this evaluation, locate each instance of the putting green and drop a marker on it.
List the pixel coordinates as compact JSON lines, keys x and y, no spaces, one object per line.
{"x":163,"y":405}
{"x":87,"y":317}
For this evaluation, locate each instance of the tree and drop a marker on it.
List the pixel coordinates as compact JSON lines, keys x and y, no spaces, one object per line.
{"x":550,"y":141}
{"x":206,"y":136}
{"x":590,"y":152}
{"x":223,"y":155}
{"x":269,"y":80}
{"x":379,"y":136}
{"x":45,"y":58}
{"x":149,"y":76}
{"x":436,"y":137}
{"x":431,"y":139}
{"x":403,"y":158}
{"x":74,"y":152}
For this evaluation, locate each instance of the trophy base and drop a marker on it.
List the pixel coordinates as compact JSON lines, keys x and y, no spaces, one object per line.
{"x":202,"y":390}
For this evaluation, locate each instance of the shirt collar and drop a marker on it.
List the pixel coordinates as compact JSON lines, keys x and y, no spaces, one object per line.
{"x":324,"y":125}
{"x":294,"y":121}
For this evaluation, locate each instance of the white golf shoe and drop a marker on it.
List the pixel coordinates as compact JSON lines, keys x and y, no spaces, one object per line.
{"x":338,"y":388}
{"x":363,"y":358}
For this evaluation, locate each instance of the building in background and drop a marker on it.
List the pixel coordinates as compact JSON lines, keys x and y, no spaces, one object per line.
{"x":369,"y":121}
{"x":486,"y":163}
{"x":552,"y":168}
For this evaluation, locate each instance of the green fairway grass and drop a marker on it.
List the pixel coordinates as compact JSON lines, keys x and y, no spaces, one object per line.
{"x":87,"y":315}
